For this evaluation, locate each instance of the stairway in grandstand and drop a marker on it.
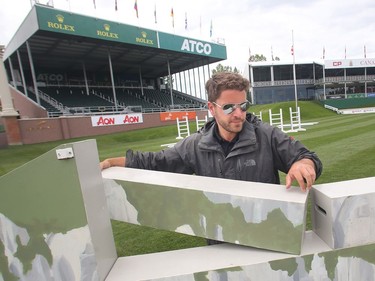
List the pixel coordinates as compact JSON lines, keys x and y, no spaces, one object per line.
{"x":45,"y":101}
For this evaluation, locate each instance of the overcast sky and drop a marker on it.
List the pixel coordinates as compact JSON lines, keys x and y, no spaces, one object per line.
{"x":255,"y":26}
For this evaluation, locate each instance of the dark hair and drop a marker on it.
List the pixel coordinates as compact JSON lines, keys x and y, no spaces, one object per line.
{"x":222,"y":81}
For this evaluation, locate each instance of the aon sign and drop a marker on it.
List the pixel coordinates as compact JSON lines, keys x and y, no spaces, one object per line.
{"x":109,"y":120}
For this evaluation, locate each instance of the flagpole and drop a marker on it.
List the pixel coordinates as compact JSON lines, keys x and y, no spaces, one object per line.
{"x":211,"y":29}
{"x":294,"y":73}
{"x":200,"y":25}
{"x":155,"y":17}
{"x":324,"y":74}
{"x":136,"y":12}
{"x":172,"y":16}
{"x":185,"y":21}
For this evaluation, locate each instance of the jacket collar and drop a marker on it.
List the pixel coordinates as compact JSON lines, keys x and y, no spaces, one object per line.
{"x":246,"y":139}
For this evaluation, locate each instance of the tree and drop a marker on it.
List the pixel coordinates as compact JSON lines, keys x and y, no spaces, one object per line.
{"x":257,"y":57}
{"x":221,"y":68}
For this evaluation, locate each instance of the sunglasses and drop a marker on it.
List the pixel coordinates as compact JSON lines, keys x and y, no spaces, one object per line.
{"x":228,"y":108}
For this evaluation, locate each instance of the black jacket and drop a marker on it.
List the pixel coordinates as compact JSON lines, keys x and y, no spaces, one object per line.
{"x":260,"y":152}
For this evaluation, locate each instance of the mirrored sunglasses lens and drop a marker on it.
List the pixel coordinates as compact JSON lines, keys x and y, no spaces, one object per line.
{"x":228,"y":108}
{"x":245,"y":106}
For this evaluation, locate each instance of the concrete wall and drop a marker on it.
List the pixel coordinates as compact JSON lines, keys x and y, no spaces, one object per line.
{"x":39,"y":130}
{"x":36,"y":127}
{"x":3,"y":140}
{"x":26,"y":107}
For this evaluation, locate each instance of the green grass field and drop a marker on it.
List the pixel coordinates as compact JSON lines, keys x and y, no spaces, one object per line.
{"x":344,"y":143}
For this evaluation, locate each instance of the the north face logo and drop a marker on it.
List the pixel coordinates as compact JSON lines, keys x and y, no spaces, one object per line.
{"x":249,"y":163}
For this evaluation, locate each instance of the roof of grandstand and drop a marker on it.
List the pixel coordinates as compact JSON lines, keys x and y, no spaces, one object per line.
{"x":63,"y":40}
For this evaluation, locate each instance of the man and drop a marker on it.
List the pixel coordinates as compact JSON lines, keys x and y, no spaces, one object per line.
{"x":234,"y":145}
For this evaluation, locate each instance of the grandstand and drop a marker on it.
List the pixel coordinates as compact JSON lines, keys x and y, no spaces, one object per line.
{"x":65,"y":70}
{"x":326,"y":80}
{"x":73,"y":64}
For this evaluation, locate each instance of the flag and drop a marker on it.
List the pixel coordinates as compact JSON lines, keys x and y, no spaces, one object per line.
{"x":364,"y":50}
{"x":94,"y":4}
{"x":172,"y":15}
{"x":185,"y":20}
{"x":200,"y":24}
{"x":211,"y":29}
{"x":136,"y":8}
{"x":115,"y":5}
{"x":292,"y":50}
{"x":155,"y":14}
{"x":272,"y":54}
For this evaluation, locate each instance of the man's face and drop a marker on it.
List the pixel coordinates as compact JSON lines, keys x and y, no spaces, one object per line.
{"x":232,"y":123}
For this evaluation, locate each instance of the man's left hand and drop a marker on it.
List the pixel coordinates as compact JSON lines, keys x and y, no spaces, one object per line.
{"x":303,"y":171}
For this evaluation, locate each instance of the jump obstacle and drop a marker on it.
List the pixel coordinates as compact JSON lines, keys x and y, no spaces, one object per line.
{"x":295,"y":125}
{"x":56,"y":211}
{"x":183,"y":127}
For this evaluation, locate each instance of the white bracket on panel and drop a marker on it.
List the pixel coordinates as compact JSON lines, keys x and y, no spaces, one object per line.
{"x":64,"y":153}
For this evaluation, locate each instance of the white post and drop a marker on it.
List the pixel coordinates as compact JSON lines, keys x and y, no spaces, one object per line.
{"x":200,"y":122}
{"x":295,"y":120}
{"x":183,"y":127}
{"x":178,"y":129}
{"x":5,"y":96}
{"x":270,"y":113}
{"x":187,"y":126}
{"x":258,"y":115}
{"x":281,"y":120}
{"x":294,"y":72}
{"x":291,"y":119}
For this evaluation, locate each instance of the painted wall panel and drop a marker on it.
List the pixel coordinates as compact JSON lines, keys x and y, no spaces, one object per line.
{"x":344,"y":212}
{"x":45,"y":227}
{"x":317,"y":261}
{"x":254,"y":214}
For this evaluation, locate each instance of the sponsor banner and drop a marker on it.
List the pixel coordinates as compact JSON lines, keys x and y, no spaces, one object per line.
{"x":348,"y":63}
{"x":357,"y":110}
{"x":167,"y":116}
{"x":110,"y":120}
{"x":191,"y":46}
{"x":73,"y":24}
{"x":359,"y":95}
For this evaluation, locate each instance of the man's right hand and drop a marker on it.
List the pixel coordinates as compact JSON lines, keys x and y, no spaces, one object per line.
{"x":112,"y":162}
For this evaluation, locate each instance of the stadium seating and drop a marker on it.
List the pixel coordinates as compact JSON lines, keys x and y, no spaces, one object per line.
{"x":59,"y":99}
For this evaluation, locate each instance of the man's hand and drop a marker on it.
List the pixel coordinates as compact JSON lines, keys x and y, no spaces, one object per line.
{"x":303,"y":171}
{"x":105,"y":164}
{"x":112,"y":162}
